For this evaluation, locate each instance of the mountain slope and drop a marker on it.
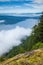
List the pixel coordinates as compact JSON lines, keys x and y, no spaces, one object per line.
{"x":34,"y":57}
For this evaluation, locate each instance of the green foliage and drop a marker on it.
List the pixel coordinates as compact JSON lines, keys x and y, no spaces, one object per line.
{"x":1,"y":59}
{"x":38,"y":30}
{"x":37,"y":45}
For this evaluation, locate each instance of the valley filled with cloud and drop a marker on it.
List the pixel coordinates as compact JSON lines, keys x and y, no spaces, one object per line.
{"x":13,"y":37}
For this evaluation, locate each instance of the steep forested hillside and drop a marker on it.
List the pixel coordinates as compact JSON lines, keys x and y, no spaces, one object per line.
{"x":34,"y":41}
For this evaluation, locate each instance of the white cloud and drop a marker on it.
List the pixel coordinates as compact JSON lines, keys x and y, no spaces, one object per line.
{"x":38,"y":1}
{"x":38,"y":4}
{"x":10,"y":38}
{"x":1,"y":21}
{"x":20,"y":10}
{"x":35,"y":6}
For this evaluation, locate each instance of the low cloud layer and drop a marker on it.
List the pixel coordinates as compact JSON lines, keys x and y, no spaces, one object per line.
{"x":1,"y":21}
{"x":10,"y":38}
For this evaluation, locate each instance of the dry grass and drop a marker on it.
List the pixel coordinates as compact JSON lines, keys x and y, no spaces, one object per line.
{"x":34,"y":57}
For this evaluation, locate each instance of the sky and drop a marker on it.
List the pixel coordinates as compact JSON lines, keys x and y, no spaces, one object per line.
{"x":11,"y":34}
{"x":21,"y":6}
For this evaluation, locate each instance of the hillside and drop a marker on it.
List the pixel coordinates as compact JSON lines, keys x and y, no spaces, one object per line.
{"x":25,"y":53}
{"x":9,"y":20}
{"x":34,"y":57}
{"x":34,"y":41}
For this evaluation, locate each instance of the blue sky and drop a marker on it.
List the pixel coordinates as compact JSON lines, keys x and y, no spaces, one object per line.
{"x":21,"y":6}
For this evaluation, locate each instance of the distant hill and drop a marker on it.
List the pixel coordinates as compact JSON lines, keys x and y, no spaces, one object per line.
{"x":34,"y":57}
{"x":15,"y":19}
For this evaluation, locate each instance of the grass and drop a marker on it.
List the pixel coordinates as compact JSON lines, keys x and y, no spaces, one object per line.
{"x":34,"y":57}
